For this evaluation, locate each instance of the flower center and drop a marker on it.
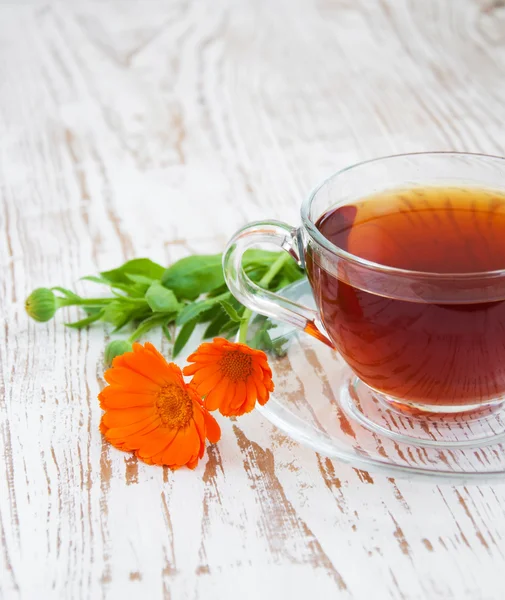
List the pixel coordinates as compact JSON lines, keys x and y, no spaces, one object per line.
{"x":236,"y":365}
{"x":174,"y":405}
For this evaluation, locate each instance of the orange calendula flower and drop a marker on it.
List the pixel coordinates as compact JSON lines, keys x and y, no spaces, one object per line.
{"x":152,"y":412}
{"x":231,"y":376}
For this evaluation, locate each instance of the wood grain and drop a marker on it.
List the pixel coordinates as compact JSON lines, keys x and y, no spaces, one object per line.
{"x":156,"y":129}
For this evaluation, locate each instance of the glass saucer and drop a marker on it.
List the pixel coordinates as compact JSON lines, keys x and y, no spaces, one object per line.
{"x":319,"y":402}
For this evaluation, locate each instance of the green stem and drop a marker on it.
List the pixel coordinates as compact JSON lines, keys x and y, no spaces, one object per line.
{"x":223,"y":296}
{"x":244,"y":326}
{"x":148,"y":324}
{"x":264,"y":282}
{"x":93,"y":302}
{"x":275,"y":267}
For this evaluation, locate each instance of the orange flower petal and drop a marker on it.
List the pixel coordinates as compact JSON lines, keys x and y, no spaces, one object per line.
{"x":258,"y":372}
{"x":217,"y":395}
{"x":113,"y":398}
{"x":262,"y":359}
{"x":202,"y":357}
{"x":269,"y":384}
{"x":152,"y":349}
{"x":230,"y":382}
{"x":140,"y":440}
{"x":153,"y":412}
{"x":200,"y":426}
{"x":209,"y":383}
{"x":240,"y":395}
{"x":191,"y":369}
{"x":127,"y":379}
{"x":158,"y":458}
{"x":212,"y":426}
{"x":262,"y":390}
{"x":175,"y":374}
{"x":120,"y":433}
{"x":205,"y":349}
{"x":225,"y":407}
{"x":168,"y":457}
{"x":154,"y":442}
{"x":143,"y":362}
{"x":202,"y":374}
{"x":194,"y":367}
{"x":155,"y":459}
{"x":182,"y":452}
{"x":251,"y":397}
{"x":192,"y":446}
{"x":125,"y":417}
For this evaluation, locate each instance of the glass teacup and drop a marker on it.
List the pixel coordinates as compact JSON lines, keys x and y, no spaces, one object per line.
{"x":429,"y":338}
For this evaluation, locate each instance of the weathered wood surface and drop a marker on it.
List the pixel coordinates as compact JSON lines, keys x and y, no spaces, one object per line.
{"x":157,"y":128}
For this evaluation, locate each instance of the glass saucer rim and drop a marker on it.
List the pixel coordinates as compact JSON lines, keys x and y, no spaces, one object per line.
{"x":374,"y":464}
{"x":349,"y":455}
{"x":353,"y":411}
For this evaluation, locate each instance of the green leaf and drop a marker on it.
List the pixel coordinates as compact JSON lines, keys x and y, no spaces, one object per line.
{"x":278,"y":346}
{"x":183,"y":336}
{"x":149,"y":324}
{"x":210,"y":314}
{"x":220,"y":319}
{"x":134,"y":290}
{"x":85,"y":322}
{"x":229,"y":329}
{"x":119,"y":294}
{"x":122,"y":321}
{"x":138,"y":290}
{"x":230,"y":311}
{"x":95,"y":279}
{"x":292,"y":271}
{"x":67,"y":293}
{"x":255,"y":257}
{"x":116,"y":313}
{"x":259,"y":261}
{"x":143,"y":279}
{"x":202,"y":309}
{"x":192,"y":310}
{"x":137,"y":266}
{"x":261,"y":339}
{"x":216,"y":325}
{"x":219,"y":291}
{"x":166,"y":331}
{"x":288,"y":274}
{"x":135,"y":286}
{"x":133,"y":315}
{"x":194,"y":275}
{"x":91,"y":310}
{"x":161,"y":299}
{"x":280,"y":283}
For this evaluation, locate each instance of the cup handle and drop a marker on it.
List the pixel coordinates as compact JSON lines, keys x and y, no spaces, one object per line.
{"x":256,"y":298}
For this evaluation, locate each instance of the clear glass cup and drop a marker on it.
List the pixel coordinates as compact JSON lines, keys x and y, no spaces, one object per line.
{"x":480,"y":384}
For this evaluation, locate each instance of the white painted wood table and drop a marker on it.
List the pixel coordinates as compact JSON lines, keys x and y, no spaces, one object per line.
{"x":157,"y":128}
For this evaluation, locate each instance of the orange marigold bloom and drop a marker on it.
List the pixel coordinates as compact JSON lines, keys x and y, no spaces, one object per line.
{"x":231,"y":376}
{"x":151,"y":411}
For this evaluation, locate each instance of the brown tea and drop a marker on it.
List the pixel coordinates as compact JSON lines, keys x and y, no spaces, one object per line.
{"x":417,"y":351}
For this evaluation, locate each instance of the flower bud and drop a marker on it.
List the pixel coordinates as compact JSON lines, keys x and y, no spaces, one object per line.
{"x":41,"y":304}
{"x":115,"y":348}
